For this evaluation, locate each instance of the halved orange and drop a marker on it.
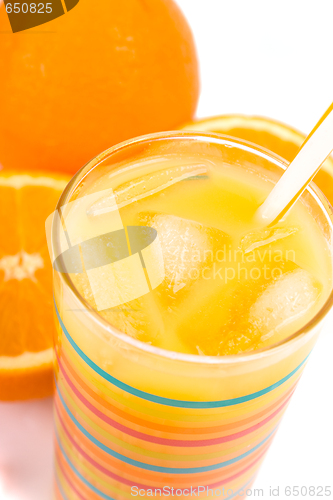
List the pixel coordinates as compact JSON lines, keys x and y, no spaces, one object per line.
{"x":270,"y":134}
{"x":26,"y":309}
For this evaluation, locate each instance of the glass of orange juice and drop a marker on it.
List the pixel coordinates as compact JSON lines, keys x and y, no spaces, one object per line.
{"x":182,"y":329}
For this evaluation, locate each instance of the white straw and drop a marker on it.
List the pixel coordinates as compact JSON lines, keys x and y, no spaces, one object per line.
{"x":313,"y":153}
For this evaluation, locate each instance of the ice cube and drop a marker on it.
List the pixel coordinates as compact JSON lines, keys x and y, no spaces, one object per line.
{"x":240,"y":315}
{"x":257,"y":239}
{"x":146,"y":185}
{"x":285,"y":300}
{"x":188,"y":247}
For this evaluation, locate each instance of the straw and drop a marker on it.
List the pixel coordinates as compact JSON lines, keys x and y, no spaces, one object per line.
{"x":314,"y":151}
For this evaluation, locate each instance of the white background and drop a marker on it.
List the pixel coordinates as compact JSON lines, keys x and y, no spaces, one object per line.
{"x":262,"y":57}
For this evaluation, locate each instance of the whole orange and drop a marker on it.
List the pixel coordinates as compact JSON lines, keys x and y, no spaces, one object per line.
{"x":102,"y":73}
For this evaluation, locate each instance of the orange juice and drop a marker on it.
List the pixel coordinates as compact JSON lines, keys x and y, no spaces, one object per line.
{"x":182,"y":327}
{"x":229,"y":287}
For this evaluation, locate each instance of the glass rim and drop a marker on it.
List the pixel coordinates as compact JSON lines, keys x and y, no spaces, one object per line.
{"x":216,"y":138}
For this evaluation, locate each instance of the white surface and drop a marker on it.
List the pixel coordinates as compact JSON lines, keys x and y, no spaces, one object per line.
{"x":26,"y":450}
{"x":264,"y":57}
{"x":257,"y":57}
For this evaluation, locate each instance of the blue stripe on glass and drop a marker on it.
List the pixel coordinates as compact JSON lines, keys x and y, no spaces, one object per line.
{"x":58,"y":482}
{"x":154,"y":468}
{"x":91,"y":486}
{"x":166,"y":401}
{"x":106,"y":497}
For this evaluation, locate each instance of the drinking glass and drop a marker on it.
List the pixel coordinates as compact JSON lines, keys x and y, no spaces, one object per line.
{"x":131,"y":417}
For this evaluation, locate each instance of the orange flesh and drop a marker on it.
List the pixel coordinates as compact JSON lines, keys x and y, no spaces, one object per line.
{"x":26,"y":308}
